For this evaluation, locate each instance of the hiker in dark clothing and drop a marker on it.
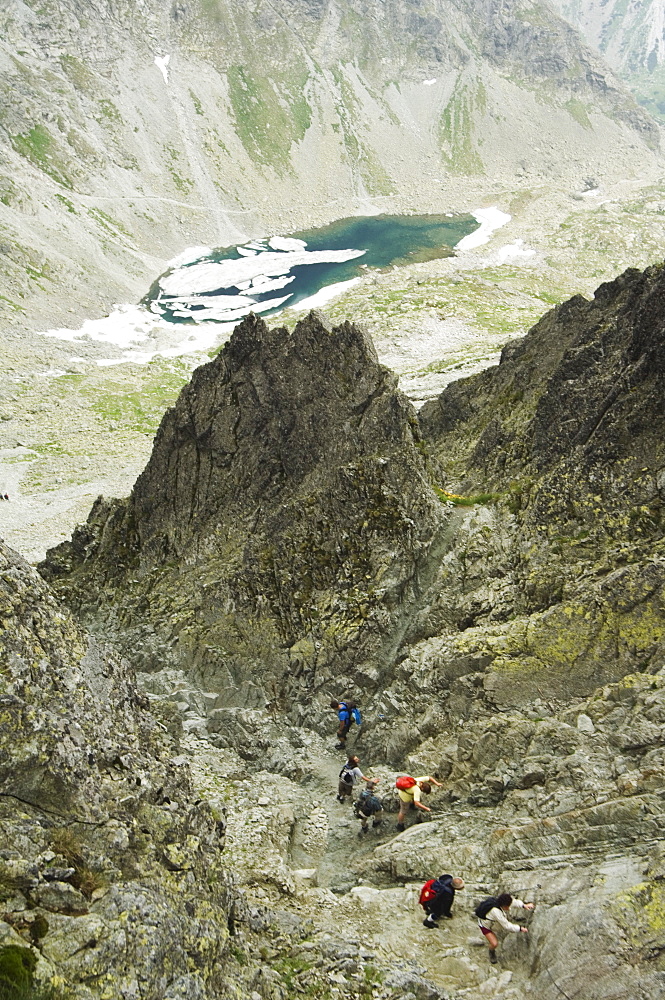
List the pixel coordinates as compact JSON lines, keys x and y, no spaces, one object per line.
{"x":369,"y":806}
{"x":437,"y":898}
{"x":347,"y":712}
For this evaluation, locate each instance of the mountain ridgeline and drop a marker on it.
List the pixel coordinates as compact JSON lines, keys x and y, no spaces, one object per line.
{"x":273,"y":116}
{"x":486,"y":579}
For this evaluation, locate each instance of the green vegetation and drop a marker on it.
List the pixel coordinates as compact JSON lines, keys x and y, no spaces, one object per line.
{"x":39,"y":147}
{"x":578,"y":111}
{"x":66,"y":202}
{"x":17,"y":966}
{"x":107,"y":222}
{"x":78,"y":73}
{"x":109,"y":112}
{"x":86,"y":879}
{"x":271,"y":113}
{"x":460,"y":501}
{"x":456,"y":129}
{"x":198,"y":107}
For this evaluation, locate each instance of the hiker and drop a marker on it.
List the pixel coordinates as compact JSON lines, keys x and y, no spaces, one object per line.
{"x":347,"y":712}
{"x":437,"y":897}
{"x":410,"y":791}
{"x":348,"y":776}
{"x":369,"y":806}
{"x":491,"y":915}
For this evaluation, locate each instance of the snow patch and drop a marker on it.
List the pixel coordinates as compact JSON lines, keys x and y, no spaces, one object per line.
{"x":324,"y":295}
{"x":489,"y":219}
{"x":429,"y":83}
{"x":516,"y":249}
{"x":189,"y":255}
{"x":141,"y":336}
{"x":286,"y":243}
{"x":161,"y":62}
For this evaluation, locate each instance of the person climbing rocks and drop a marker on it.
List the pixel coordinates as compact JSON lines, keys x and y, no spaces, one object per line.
{"x":347,"y":712}
{"x":369,"y":806}
{"x":492,"y":914}
{"x":348,"y":776}
{"x":410,"y":791}
{"x":437,"y":897}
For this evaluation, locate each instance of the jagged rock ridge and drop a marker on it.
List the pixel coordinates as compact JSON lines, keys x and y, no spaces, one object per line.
{"x":526,"y":663}
{"x":281,"y":530}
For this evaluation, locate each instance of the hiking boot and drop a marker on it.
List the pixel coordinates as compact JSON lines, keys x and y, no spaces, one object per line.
{"x":400,"y":827}
{"x":428,"y":923}
{"x":493,"y":958}
{"x":448,"y":916}
{"x":375,"y":823}
{"x":364,"y":829}
{"x":339,"y":798}
{"x":340,"y":746}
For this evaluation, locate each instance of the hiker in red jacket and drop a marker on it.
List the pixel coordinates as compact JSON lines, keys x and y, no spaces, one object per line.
{"x":411,"y":795}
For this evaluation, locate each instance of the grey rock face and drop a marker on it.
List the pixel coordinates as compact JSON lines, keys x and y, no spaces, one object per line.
{"x":88,"y":783}
{"x":287,"y":492}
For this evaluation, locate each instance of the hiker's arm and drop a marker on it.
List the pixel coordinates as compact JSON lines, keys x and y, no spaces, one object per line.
{"x":497,"y":914}
{"x":433,"y":781}
{"x":419,"y":805}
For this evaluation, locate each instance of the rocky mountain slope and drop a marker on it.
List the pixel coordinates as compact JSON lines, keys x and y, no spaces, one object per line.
{"x":632,"y":40}
{"x":288,"y":492}
{"x":128,"y":131}
{"x":502,"y":628}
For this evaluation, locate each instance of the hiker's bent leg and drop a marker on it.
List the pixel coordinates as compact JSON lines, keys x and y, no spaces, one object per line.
{"x":492,"y":940}
{"x":440,"y":905}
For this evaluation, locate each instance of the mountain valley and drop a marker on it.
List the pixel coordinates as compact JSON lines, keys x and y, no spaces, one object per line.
{"x":442,"y":497}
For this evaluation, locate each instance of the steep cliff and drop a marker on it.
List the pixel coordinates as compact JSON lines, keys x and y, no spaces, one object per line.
{"x":282,"y":532}
{"x":632,"y":40}
{"x":128,"y":131}
{"x":110,"y":874}
{"x":291,"y":539}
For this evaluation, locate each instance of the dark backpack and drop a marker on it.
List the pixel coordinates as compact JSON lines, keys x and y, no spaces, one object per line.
{"x":444,"y":883}
{"x":368,"y":803}
{"x":345,"y":774}
{"x":483,"y":908}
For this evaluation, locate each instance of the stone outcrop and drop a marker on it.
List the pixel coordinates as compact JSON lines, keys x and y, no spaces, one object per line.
{"x":110,"y":867}
{"x":289,"y":533}
{"x":282,"y":533}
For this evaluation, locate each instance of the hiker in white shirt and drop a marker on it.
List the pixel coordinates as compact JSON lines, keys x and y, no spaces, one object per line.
{"x":491,"y":916}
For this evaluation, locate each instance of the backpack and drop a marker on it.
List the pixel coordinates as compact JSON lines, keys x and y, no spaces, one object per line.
{"x":345,"y":774}
{"x":435,"y":886}
{"x":427,"y":893}
{"x":405,"y":782}
{"x":369,"y":803}
{"x":483,"y":908}
{"x":350,"y":711}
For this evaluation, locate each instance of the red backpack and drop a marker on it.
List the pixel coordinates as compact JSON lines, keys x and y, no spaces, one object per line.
{"x":427,"y":893}
{"x":405,"y":782}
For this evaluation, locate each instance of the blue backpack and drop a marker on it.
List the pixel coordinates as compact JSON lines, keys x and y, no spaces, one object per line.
{"x":349,"y":710}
